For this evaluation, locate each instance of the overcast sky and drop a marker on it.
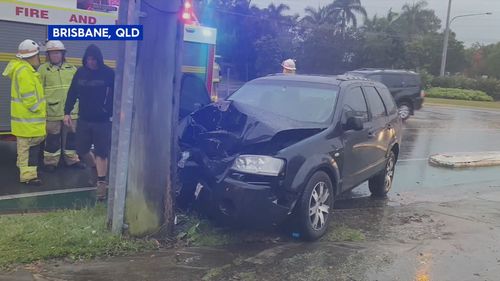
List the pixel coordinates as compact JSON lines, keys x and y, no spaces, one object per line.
{"x":482,"y":29}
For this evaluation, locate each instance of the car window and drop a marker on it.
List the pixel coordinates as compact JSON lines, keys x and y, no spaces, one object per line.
{"x":296,"y":100}
{"x":355,"y":105}
{"x":411,"y":80}
{"x":391,"y":80}
{"x":375,"y":103}
{"x":388,"y":100}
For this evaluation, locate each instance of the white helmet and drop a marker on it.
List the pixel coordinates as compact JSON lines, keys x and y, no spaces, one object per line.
{"x":54,"y":45}
{"x":288,"y":64}
{"x":27,"y":49}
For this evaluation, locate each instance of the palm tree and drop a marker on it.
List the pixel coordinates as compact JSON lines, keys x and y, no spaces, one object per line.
{"x":380,"y":24}
{"x":347,"y":10}
{"x":276,"y":12}
{"x":416,"y":19}
{"x":320,"y":16}
{"x":411,"y":13}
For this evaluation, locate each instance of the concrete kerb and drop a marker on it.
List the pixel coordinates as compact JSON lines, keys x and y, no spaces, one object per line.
{"x":466,"y":159}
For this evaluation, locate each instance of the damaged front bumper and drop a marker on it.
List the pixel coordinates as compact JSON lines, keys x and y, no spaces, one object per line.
{"x":238,"y":198}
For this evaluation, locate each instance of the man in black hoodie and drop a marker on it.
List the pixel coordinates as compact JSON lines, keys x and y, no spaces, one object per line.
{"x":93,"y":86}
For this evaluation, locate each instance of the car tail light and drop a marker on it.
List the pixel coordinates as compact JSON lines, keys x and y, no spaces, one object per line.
{"x":422,"y":94}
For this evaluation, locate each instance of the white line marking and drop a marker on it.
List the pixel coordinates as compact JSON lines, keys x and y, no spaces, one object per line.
{"x":414,"y":159}
{"x":49,"y":192}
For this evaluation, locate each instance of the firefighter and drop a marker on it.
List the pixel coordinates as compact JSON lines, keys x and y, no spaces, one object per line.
{"x":56,"y":75}
{"x":28,"y":109}
{"x":288,"y":66}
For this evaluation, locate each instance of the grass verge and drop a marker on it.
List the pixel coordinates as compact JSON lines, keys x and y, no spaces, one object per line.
{"x":76,"y":234}
{"x":463,"y":103}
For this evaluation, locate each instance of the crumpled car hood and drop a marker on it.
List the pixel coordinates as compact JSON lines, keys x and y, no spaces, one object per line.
{"x":227,"y":128}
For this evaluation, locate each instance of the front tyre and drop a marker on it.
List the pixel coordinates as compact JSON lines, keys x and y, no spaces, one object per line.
{"x":315,"y":206}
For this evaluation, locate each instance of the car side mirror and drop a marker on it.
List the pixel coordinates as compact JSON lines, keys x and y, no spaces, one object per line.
{"x":354,"y":123}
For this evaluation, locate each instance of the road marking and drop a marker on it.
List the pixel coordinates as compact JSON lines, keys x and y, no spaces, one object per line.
{"x":42,"y":193}
{"x":413,"y":159}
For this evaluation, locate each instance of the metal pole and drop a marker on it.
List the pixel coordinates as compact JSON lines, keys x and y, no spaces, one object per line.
{"x":125,"y":83}
{"x":227,"y":81}
{"x":445,"y":43}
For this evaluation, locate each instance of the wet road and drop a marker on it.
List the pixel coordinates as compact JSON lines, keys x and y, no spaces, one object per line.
{"x":63,"y":178}
{"x":439,"y":130}
{"x":437,"y":224}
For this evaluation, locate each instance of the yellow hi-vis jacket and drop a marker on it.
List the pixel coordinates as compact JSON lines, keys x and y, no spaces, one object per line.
{"x":28,"y":109}
{"x":56,"y":81}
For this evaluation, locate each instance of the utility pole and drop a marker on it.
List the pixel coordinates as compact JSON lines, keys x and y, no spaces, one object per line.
{"x":121,"y":130}
{"x":445,"y":43}
{"x":143,"y":157}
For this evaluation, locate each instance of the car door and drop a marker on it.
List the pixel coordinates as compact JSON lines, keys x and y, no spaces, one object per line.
{"x":380,"y":130}
{"x":356,"y":143}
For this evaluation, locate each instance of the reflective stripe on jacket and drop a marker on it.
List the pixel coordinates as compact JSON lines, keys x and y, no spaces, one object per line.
{"x":28,"y":108}
{"x":56,"y":81}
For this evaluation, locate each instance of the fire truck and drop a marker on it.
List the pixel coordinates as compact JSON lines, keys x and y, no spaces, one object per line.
{"x":28,"y":19}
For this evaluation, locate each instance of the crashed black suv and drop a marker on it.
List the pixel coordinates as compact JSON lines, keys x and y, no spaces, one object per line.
{"x":288,"y":145}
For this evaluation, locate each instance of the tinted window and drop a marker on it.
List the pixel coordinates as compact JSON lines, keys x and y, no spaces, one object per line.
{"x":299,"y":101}
{"x":388,"y":100}
{"x":390,"y":80}
{"x":375,"y":102}
{"x":355,"y":105}
{"x":411,"y":80}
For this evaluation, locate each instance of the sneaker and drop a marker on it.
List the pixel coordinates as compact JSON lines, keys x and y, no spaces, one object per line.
{"x":34,"y":182}
{"x":102,"y":190}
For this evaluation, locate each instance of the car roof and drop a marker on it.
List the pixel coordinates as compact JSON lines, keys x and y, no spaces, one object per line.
{"x":324,"y":79}
{"x":382,"y":70}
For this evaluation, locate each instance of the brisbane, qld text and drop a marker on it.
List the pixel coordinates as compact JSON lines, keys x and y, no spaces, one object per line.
{"x":86,"y":32}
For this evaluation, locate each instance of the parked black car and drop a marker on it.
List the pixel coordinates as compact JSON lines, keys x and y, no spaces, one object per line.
{"x":289,"y":145}
{"x":405,"y":86}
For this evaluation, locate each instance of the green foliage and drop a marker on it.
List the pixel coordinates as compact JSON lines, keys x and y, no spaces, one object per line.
{"x":458,"y":94}
{"x":426,"y":79}
{"x":75,"y":234}
{"x":490,"y":86}
{"x":330,"y":39}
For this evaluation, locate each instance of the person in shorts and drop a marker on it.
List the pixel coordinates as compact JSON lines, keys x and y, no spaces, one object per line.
{"x":93,"y":86}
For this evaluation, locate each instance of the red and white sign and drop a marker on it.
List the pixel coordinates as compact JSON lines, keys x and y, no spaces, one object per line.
{"x":40,"y":14}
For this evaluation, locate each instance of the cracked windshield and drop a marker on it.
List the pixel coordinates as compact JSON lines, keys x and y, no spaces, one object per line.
{"x":223,"y":140}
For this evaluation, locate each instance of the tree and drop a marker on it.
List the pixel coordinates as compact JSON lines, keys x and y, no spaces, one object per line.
{"x":415,"y":20}
{"x":316,"y":17}
{"x":347,"y":10}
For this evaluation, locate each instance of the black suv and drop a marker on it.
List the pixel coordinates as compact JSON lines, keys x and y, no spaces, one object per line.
{"x":289,"y":145}
{"x":405,"y":86}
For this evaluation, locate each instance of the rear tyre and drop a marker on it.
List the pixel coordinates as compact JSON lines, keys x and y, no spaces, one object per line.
{"x":404,"y":110}
{"x":315,"y":206}
{"x":381,"y":183}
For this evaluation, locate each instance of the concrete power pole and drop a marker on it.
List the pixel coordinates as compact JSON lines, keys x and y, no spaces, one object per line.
{"x":445,"y":42}
{"x":143,"y":157}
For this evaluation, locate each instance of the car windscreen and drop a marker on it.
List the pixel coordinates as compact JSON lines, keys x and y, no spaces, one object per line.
{"x":299,"y":101}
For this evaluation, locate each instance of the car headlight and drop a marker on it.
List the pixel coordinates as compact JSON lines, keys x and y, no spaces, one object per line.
{"x":257,"y":164}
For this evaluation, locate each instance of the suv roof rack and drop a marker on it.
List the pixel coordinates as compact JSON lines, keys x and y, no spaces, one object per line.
{"x":385,"y":69}
{"x":349,"y":77}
